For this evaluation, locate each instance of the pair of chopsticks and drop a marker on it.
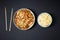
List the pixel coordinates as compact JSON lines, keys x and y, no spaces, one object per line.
{"x":10,"y":20}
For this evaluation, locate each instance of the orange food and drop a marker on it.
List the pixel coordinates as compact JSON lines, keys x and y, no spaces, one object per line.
{"x":23,"y":19}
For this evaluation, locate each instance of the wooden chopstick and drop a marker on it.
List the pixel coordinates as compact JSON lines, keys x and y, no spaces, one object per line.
{"x":6,"y":19}
{"x":11,"y":19}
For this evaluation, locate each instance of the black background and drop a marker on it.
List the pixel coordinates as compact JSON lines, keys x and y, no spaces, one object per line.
{"x":36,"y":32}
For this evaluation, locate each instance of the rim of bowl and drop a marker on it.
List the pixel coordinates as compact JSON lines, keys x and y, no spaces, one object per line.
{"x":48,"y":14}
{"x":32,"y":15}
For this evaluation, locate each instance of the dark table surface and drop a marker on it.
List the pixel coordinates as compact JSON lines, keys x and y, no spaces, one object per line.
{"x":36,"y":32}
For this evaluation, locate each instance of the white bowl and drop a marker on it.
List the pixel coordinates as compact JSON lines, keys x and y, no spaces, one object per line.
{"x":44,"y":19}
{"x":31,"y":13}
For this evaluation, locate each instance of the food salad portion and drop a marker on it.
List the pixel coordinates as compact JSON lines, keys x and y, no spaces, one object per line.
{"x":24,"y":19}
